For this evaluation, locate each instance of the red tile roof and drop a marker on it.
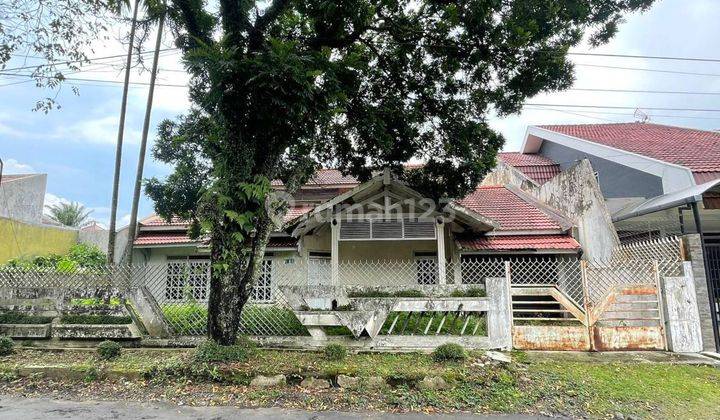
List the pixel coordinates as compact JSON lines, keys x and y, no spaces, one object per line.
{"x":155,"y":220}
{"x":536,"y":167}
{"x":182,"y":238}
{"x":163,"y":238}
{"x":326,"y":177}
{"x":295,"y":212}
{"x":697,"y":150}
{"x":520,"y":242}
{"x":703,"y":177}
{"x":509,"y":209}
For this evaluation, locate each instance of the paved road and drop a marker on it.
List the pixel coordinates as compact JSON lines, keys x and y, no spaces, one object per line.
{"x":46,"y":409}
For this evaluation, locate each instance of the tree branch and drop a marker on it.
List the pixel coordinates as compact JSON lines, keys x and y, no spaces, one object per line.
{"x":272,"y":13}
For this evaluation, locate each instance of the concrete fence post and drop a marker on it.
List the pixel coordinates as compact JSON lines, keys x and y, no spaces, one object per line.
{"x":682,"y":317}
{"x":499,"y":316}
{"x":694,"y":252}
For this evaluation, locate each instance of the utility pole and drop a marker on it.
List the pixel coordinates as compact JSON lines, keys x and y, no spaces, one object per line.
{"x":121,"y":133}
{"x":143,"y":144}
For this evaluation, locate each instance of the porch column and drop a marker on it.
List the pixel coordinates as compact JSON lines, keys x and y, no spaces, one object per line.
{"x":440,"y":234}
{"x":334,"y":250}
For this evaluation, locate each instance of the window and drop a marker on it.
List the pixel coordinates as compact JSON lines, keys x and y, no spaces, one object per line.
{"x":262,"y":291}
{"x":188,"y":278}
{"x":426,"y":267}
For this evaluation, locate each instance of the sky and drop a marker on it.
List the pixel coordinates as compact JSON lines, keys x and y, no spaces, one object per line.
{"x":75,"y":145}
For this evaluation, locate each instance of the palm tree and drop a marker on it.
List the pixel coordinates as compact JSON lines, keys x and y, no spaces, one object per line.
{"x":121,"y":133}
{"x":69,"y":214}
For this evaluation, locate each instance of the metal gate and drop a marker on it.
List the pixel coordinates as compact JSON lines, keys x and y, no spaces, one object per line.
{"x":712,"y":253}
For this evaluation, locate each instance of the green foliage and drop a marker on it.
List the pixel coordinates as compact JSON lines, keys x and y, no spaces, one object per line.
{"x":90,"y":302}
{"x":109,"y":350}
{"x":59,"y":32}
{"x":191,"y":319}
{"x":449,"y":352}
{"x":6,"y":345}
{"x":69,"y":214}
{"x":366,"y":85}
{"x":372,"y":293}
{"x":94,"y":319}
{"x":209,"y":351}
{"x":21,"y":318}
{"x":80,"y":256}
{"x":472,"y":292}
{"x":335,"y":352}
{"x":409,"y":323}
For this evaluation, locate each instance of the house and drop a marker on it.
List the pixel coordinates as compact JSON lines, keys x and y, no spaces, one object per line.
{"x":657,"y":180}
{"x":338,"y":227}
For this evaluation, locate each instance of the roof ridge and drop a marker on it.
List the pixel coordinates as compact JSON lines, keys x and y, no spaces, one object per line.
{"x":555,"y":214}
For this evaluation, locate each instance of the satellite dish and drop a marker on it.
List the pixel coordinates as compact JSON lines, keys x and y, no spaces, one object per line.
{"x":641,"y":116}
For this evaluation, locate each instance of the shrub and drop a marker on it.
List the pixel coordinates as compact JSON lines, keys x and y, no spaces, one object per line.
{"x":21,"y":318}
{"x":94,"y":319}
{"x":409,"y":293}
{"x":449,"y":352}
{"x":209,"y":351}
{"x":6,"y":345}
{"x":472,"y":292}
{"x":335,"y":352}
{"x":79,"y":256}
{"x":109,"y":350}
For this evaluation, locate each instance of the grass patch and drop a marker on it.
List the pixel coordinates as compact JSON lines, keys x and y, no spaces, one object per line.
{"x":191,"y":319}
{"x":416,"y":322}
{"x":569,"y":389}
{"x":472,"y":292}
{"x":21,"y":318}
{"x":646,"y":390}
{"x":95,"y":302}
{"x":94,"y":319}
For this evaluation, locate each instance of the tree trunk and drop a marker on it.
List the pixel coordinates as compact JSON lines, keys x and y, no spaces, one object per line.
{"x":143,"y":145}
{"x":230,"y":289}
{"x":119,"y":145}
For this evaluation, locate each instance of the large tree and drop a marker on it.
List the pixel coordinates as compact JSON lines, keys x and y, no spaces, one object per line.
{"x":60,"y":33}
{"x":279,"y":87}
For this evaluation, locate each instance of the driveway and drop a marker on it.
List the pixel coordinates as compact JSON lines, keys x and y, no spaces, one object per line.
{"x":46,"y":409}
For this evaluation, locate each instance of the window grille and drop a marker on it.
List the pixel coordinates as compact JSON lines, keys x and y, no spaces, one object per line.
{"x":187,"y":279}
{"x":262,"y":291}
{"x":426,"y":268}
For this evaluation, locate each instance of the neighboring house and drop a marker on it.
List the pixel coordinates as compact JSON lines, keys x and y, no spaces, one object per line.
{"x":336,"y":221}
{"x":643,"y":169}
{"x":658,"y":180}
{"x":22,"y":197}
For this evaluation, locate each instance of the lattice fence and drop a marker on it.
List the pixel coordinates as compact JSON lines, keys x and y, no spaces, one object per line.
{"x":181,"y":287}
{"x":666,"y":251}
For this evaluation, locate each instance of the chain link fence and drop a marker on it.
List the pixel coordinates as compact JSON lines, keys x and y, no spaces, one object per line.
{"x":181,"y":287}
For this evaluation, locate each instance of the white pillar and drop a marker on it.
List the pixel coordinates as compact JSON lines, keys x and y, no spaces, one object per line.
{"x":334,"y":249}
{"x":440,"y":234}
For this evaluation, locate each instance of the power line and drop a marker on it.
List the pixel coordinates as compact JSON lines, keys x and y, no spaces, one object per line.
{"x":65,"y":62}
{"x":78,"y":79}
{"x":649,"y":70}
{"x":624,"y":107}
{"x":650,"y":57}
{"x":668,"y":92}
{"x":693,"y":117}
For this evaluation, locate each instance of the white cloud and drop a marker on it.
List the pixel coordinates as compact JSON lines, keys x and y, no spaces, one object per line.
{"x":12,"y":166}
{"x":101,"y":130}
{"x":54,"y":200}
